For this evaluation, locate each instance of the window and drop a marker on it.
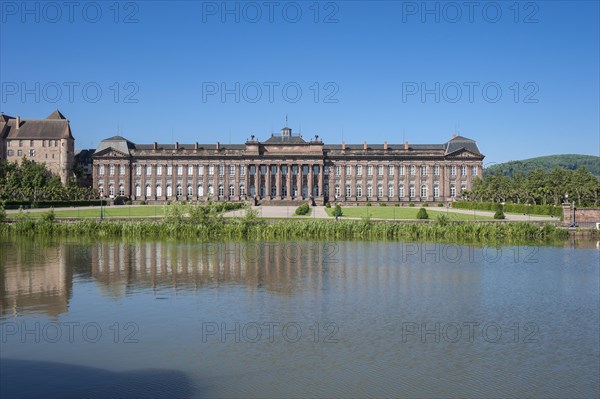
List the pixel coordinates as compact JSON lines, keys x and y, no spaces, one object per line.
{"x":359,"y":190}
{"x":231,"y":190}
{"x":401,"y":170}
{"x":423,"y":170}
{"x":436,"y":170}
{"x":273,"y":170}
{"x":121,"y":190}
{"x":138,"y":190}
{"x":179,"y":190}
{"x":411,"y":192}
{"x":338,"y":193}
{"x":190,"y":170}
{"x":138,"y":170}
{"x":453,"y":170}
{"x":242,"y":189}
{"x":379,"y":190}
{"x":463,"y":188}
{"x":337,"y":170}
{"x":369,"y":170}
{"x":169,"y":190}
{"x":390,"y":170}
{"x":56,"y":143}
{"x":463,"y":170}
{"x":348,"y":171}
{"x":284,"y":170}
{"x":169,"y":170}
{"x":423,"y":191}
{"x":111,"y":170}
{"x":390,"y":191}
{"x":8,"y":143}
{"x":32,"y":152}
{"x":200,"y":170}
{"x":159,"y":170}
{"x":221,"y":190}
{"x":359,"y":170}
{"x":242,"y":170}
{"x":412,"y":170}
{"x":190,"y":190}
{"x":111,"y":190}
{"x":20,"y":153}
{"x":232,"y":170}
{"x":179,"y":170}
{"x":158,"y":190}
{"x":200,"y":190}
{"x":211,"y":170}
{"x":380,"y":170}
{"x":474,"y":170}
{"x":31,"y":143}
{"x":348,"y":190}
{"x":148,"y":170}
{"x":10,"y":153}
{"x":369,"y":190}
{"x":101,"y":190}
{"x":101,"y":170}
{"x":221,"y":170}
{"x":436,"y":192}
{"x":211,"y":190}
{"x":263,"y":170}
{"x":20,"y":143}
{"x":401,"y":191}
{"x":121,"y":170}
{"x":452,"y":190}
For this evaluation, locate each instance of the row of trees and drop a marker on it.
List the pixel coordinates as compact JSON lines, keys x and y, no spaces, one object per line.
{"x":539,"y":188}
{"x":32,"y":181}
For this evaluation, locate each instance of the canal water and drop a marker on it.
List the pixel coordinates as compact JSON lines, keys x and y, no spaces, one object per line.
{"x":301,"y":319}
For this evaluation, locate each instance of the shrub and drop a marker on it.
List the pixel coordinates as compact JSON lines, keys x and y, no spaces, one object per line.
{"x":142,"y":202}
{"x":440,"y":204}
{"x":128,"y":202}
{"x":337,"y":212}
{"x":383,"y":204}
{"x":411,"y":204}
{"x":442,"y":219}
{"x":499,"y":214}
{"x":2,"y":214}
{"x":303,"y":209}
{"x":422,"y":214}
{"x":425,"y":204}
{"x":48,"y":217}
{"x":327,"y":205}
{"x":548,"y":210}
{"x":368,"y":204}
{"x":169,"y":202}
{"x":396,"y":204}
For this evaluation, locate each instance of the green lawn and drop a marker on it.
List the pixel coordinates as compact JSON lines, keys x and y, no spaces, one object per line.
{"x":393,"y":212}
{"x":109,"y":211}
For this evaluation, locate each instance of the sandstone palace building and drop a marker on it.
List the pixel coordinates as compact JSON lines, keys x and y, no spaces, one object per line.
{"x":286,"y":168}
{"x":46,"y":141}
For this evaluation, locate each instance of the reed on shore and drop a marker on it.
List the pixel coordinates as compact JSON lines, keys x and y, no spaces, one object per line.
{"x":212,"y":226}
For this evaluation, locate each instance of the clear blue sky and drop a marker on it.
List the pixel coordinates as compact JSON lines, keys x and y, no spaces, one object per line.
{"x":373,"y":58}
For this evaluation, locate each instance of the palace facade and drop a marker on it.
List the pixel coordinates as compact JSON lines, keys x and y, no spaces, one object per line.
{"x":286,"y":169}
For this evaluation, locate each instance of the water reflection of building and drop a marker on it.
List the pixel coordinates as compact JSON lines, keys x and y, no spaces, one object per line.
{"x":276,"y":267}
{"x":35,"y":278}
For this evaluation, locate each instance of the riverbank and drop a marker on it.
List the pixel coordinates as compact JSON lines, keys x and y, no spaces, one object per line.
{"x":253,"y":228}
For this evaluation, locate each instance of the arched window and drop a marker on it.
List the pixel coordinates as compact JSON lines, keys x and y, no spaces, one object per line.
{"x":158,"y":190}
{"x":401,"y":191}
{"x":436,"y":192}
{"x":452,"y":190}
{"x":190,"y":190}
{"x":369,"y":190}
{"x":169,"y":190}
{"x":111,"y":190}
{"x":211,"y":190}
{"x":179,"y":190}
{"x":411,"y":191}
{"x":424,"y":191}
{"x":359,"y":190}
{"x":231,"y":190}
{"x":148,"y":190}
{"x":337,"y":191}
{"x":200,"y":190}
{"x":242,"y":190}
{"x":221,"y":190}
{"x":138,"y":190}
{"x":348,"y":190}
{"x":390,"y":190}
{"x":101,"y":190}
{"x":379,"y":190}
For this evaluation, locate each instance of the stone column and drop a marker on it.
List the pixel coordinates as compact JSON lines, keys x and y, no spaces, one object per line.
{"x":195,"y":183}
{"x":343,"y":182}
{"x":396,"y":182}
{"x":311,"y":180}
{"x":184,"y":180}
{"x":386,"y":170}
{"x":236,"y":184}
{"x":299,"y":178}
{"x":374,"y":181}
{"x":257,"y":180}
{"x":278,"y":181}
{"x":205,"y":180}
{"x":320,"y":180}
{"x":288,"y":181}
{"x":268,"y":182}
{"x":353,"y":183}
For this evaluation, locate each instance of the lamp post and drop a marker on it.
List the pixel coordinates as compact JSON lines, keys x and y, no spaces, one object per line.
{"x":528,"y":212}
{"x":101,"y":208}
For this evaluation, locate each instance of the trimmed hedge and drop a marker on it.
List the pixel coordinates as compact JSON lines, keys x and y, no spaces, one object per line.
{"x":303,"y":209}
{"x":51,"y":204}
{"x":548,"y":210}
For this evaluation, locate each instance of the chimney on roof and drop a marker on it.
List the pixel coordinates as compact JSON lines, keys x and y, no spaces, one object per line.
{"x":406,"y":145}
{"x":18,"y":122}
{"x":177,"y":145}
{"x":218,"y":146}
{"x":385,"y":145}
{"x":155,"y":145}
{"x":454,"y":136}
{"x":196,"y":146}
{"x":343,"y":145}
{"x":365,"y":146}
